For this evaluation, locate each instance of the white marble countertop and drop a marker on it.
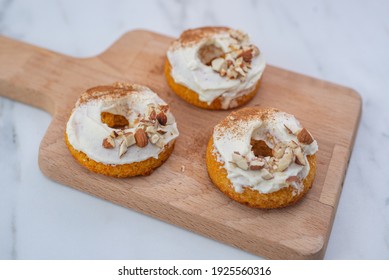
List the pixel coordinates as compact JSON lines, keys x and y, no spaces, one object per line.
{"x":346,"y":42}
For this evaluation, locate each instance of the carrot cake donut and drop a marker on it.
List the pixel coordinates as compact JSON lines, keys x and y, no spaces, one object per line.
{"x":121,"y":130}
{"x":214,"y":67}
{"x":263,"y":158}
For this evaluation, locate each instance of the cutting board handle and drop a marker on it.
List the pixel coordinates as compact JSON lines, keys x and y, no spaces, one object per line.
{"x":25,"y":73}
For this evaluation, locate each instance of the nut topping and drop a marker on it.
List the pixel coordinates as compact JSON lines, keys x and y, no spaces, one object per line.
{"x":240,"y":161}
{"x":153,"y":115}
{"x":154,"y":139}
{"x":305,"y":137}
{"x":160,"y":143}
{"x":219,"y":64}
{"x":129,"y":138}
{"x":267,"y":175}
{"x":286,"y":160}
{"x":279,"y":150}
{"x":141,"y":138}
{"x":247,"y":55}
{"x":164,"y":108}
{"x":162,"y":118}
{"x":292,"y":179}
{"x":257,"y":164}
{"x":123,"y":148}
{"x":299,"y":156}
{"x":108,"y":143}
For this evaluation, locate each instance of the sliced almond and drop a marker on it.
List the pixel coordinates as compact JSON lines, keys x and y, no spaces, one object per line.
{"x":286,"y":160}
{"x":141,"y":139}
{"x":247,"y":55}
{"x":255,"y":50}
{"x":108,"y":143}
{"x":292,"y":144}
{"x":240,"y":71}
{"x":164,"y":108}
{"x":162,"y":118}
{"x":151,"y":129}
{"x":279,"y":150}
{"x":240,"y":161}
{"x":161,"y":132}
{"x":231,"y":73}
{"x":129,"y":138}
{"x":300,"y":159}
{"x":123,"y":148}
{"x":160,"y":143}
{"x":154,"y":139}
{"x":267,"y":175}
{"x":114,"y":134}
{"x":153,"y":115}
{"x":218,"y":64}
{"x":305,"y":137}
{"x":257,"y":164}
{"x":292,"y":179}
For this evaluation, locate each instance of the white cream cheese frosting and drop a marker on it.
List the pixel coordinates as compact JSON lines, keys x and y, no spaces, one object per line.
{"x":86,"y":132}
{"x":188,"y":70}
{"x":235,"y":134}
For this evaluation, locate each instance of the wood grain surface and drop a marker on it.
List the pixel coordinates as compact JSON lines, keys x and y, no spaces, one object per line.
{"x":188,"y":199}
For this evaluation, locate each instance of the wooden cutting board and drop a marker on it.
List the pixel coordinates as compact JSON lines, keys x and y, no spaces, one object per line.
{"x":188,"y":199}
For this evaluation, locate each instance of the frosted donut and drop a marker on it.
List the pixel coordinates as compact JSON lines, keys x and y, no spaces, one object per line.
{"x":214,"y":67}
{"x":263,"y":158}
{"x":121,"y":130}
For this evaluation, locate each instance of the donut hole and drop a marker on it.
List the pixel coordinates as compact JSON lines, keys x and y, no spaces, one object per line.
{"x":113,"y":120}
{"x":260,"y":148}
{"x":209,"y":52}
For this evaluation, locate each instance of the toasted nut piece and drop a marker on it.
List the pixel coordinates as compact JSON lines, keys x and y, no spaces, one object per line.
{"x":160,"y":143}
{"x":123,"y":148}
{"x":218,"y":64}
{"x":151,"y":129}
{"x":257,"y":164}
{"x":240,"y":71}
{"x":267,"y":175}
{"x":164,"y":108}
{"x":292,"y":179}
{"x":255,"y":51}
{"x":279,"y":150}
{"x":247,"y":55}
{"x":300,"y":159}
{"x":108,"y":143}
{"x":305,"y":137}
{"x":240,"y":161}
{"x":153,"y":115}
{"x":286,"y":160}
{"x":162,"y":119}
{"x":292,"y":144}
{"x":141,"y":138}
{"x":161,"y":132}
{"x":231,"y":73}
{"x":114,"y":134}
{"x":154,"y":139}
{"x":129,"y":138}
